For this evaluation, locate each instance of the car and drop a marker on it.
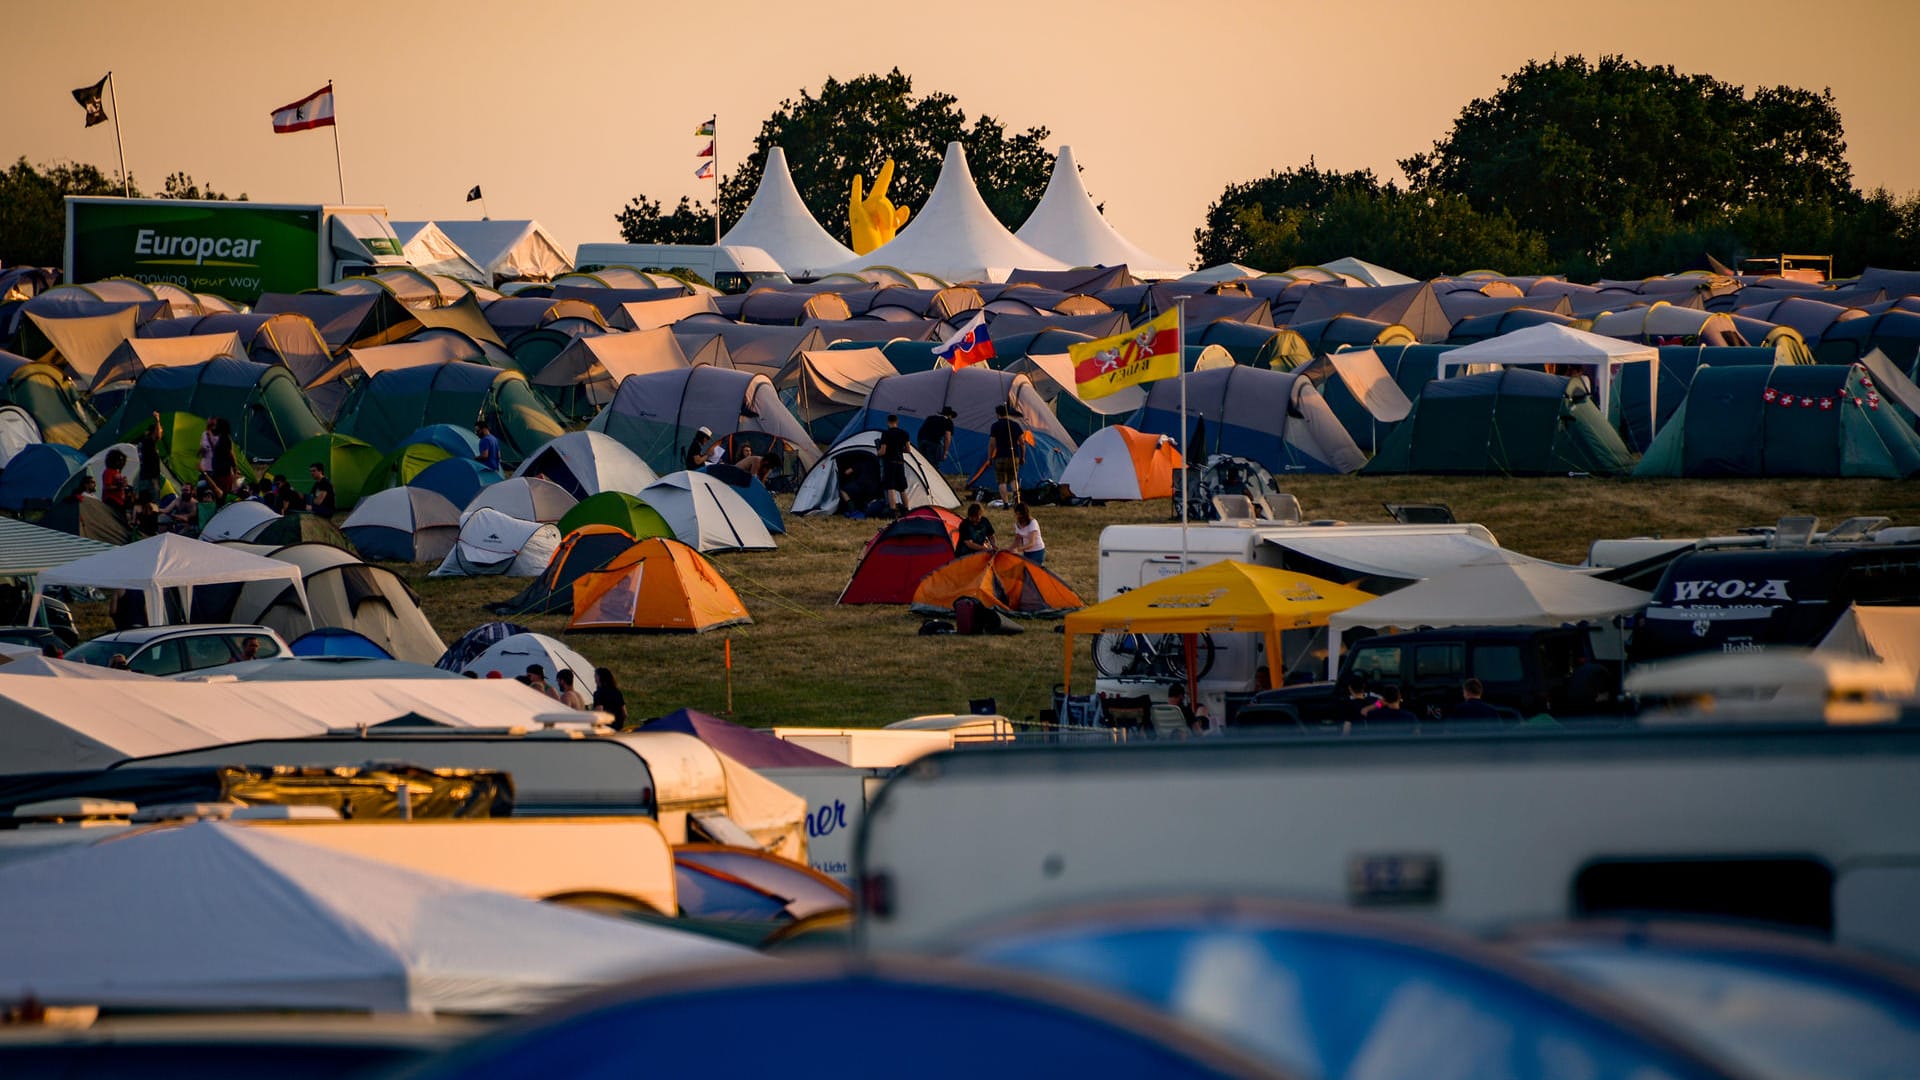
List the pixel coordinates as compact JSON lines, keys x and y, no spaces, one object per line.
{"x":175,"y":650}
{"x":38,"y":637}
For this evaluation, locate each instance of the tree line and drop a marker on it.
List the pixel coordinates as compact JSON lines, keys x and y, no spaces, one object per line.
{"x":33,"y":217}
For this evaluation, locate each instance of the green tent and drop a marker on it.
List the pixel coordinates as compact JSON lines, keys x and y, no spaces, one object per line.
{"x":618,"y":509}
{"x":348,"y":461}
{"x":390,"y":406}
{"x":263,"y":403}
{"x":1790,"y":420}
{"x":46,"y":394}
{"x":301,"y":527}
{"x":1513,"y":422}
{"x":180,"y":447}
{"x":400,"y":467}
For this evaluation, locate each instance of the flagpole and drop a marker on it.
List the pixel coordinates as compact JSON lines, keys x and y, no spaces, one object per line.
{"x":339,"y":175}
{"x":714,"y":161}
{"x":1186,"y":462}
{"x":126,"y":182}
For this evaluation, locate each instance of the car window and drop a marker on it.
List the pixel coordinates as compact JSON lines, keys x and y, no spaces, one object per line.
{"x":1440,"y":662}
{"x":267,"y":647}
{"x":1379,"y":662}
{"x":1498,"y":663}
{"x":210,"y":651}
{"x":159,"y":658}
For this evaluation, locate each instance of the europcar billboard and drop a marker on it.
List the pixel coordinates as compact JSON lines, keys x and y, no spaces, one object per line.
{"x":236,"y":250}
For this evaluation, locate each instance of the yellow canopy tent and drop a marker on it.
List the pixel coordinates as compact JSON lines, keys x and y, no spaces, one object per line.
{"x":1223,"y":597}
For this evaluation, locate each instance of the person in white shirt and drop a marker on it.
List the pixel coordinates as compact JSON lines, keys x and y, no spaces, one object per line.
{"x":1026,"y":535}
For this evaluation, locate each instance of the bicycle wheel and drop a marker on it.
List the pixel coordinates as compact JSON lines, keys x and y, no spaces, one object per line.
{"x":1173,"y":653}
{"x":1115,"y":655}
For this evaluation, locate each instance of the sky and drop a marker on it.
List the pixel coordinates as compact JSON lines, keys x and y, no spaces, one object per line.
{"x":562,"y":111}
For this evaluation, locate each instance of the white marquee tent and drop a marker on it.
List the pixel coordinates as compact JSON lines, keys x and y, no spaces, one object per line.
{"x":509,"y":250}
{"x":1561,"y":346}
{"x":1067,"y":226}
{"x":431,"y":251}
{"x":780,"y":224}
{"x":166,"y":569}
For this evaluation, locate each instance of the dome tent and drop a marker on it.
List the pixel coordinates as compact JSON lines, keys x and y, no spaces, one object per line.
{"x":819,"y":491}
{"x":902,"y":554}
{"x":347,"y":461}
{"x":457,"y":480}
{"x":657,"y":415}
{"x":511,"y":656}
{"x":386,"y":408}
{"x":403,"y":524}
{"x":1275,"y":418}
{"x":36,"y":474}
{"x":619,"y":510}
{"x":47,"y":395}
{"x":491,"y":542}
{"x":779,"y":223}
{"x":582,"y":551}
{"x":242,"y":521}
{"x":1000,"y":580}
{"x":973,"y":393}
{"x":587,"y":463}
{"x":1121,"y":463}
{"x":706,"y":514}
{"x":528,"y":498}
{"x":659,"y":585}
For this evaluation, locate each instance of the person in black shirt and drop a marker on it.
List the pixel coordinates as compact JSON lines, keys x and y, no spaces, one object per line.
{"x":698,"y":449}
{"x":608,"y":699}
{"x":936,"y":436}
{"x":146,"y":479}
{"x":1471,"y":708}
{"x":976,"y":532}
{"x":1004,"y":440}
{"x":893,"y":465}
{"x":1390,"y":715}
{"x":322,"y":500}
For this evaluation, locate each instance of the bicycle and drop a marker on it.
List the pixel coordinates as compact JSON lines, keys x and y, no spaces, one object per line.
{"x":1162,"y":656}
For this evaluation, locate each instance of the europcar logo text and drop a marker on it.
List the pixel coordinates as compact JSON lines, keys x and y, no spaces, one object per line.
{"x":195,"y":249}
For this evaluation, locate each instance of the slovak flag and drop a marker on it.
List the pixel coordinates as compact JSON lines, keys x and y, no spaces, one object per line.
{"x":314,"y":110}
{"x":969,"y":345}
{"x":704,"y":172}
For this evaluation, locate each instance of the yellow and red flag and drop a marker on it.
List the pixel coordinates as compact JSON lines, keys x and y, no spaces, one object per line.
{"x":1144,"y":354}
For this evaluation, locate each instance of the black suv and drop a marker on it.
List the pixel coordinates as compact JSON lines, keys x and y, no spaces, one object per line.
{"x":1526,"y":669}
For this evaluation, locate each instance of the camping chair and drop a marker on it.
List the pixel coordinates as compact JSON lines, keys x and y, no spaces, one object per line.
{"x":1077,"y":710}
{"x":1283,"y":507}
{"x":1239,"y":507}
{"x":1168,"y":721}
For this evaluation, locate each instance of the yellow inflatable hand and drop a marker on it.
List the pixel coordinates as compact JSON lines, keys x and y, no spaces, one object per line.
{"x":873,"y":219}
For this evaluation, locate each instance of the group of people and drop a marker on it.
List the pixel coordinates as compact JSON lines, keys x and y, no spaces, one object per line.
{"x":1363,"y":706}
{"x":977,"y":534}
{"x":565,"y":689}
{"x":142,"y":501}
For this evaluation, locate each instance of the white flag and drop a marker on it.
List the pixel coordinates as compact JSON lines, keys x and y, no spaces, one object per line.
{"x":314,"y":110}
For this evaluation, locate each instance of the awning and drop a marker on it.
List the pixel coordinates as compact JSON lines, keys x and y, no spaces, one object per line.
{"x":1408,"y":558}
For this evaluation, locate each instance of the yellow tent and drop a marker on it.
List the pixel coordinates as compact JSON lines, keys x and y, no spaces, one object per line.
{"x":1225,"y":597}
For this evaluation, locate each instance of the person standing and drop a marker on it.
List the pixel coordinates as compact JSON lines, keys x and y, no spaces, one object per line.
{"x":321,"y":501}
{"x":225,"y":468}
{"x":1003,"y":448}
{"x":936,"y":436}
{"x":208,"y":437}
{"x":976,"y":532}
{"x":1026,"y":536}
{"x":893,"y":465}
{"x":570,"y":694}
{"x":146,"y":480}
{"x":114,"y":490}
{"x":607,"y":697}
{"x":488,"y":453}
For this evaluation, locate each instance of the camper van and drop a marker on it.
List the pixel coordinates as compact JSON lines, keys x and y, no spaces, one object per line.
{"x":1814,"y":828}
{"x":734,"y":268}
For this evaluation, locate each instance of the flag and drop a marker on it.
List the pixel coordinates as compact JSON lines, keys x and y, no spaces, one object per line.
{"x":89,"y":98}
{"x":474,"y":195}
{"x":708,"y":152}
{"x":706,"y":127}
{"x":1141,"y":355}
{"x":314,"y":110}
{"x":969,"y":345}
{"x":704,"y":172}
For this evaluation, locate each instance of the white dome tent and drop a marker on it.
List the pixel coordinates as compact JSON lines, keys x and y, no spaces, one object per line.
{"x":18,"y":430}
{"x":528,"y":498}
{"x":955,"y":237}
{"x":707,"y":514}
{"x":238,"y":521}
{"x":587,"y":463}
{"x":491,"y":542}
{"x":407,"y":524}
{"x":1067,"y":226}
{"x":780,"y":224}
{"x":819,"y":491}
{"x":512,"y":655}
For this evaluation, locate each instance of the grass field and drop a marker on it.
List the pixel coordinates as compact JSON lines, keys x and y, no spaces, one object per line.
{"x":806,"y":660}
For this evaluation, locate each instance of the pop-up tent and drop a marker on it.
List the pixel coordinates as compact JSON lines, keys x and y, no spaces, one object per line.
{"x":586,"y":463}
{"x":181,"y":580}
{"x":1514,"y":422}
{"x":1121,"y":463}
{"x":491,"y":542}
{"x":660,"y":585}
{"x":707,"y":514}
{"x":403,"y":524}
{"x":1224,"y":597}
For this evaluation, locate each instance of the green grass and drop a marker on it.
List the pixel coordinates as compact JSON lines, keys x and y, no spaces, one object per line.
{"x":806,"y":660}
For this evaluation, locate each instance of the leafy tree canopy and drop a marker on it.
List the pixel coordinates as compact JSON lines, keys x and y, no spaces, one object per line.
{"x":852,"y":127}
{"x":33,"y":218}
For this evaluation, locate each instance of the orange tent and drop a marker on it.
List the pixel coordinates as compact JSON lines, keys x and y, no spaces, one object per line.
{"x":658,"y":584}
{"x":1001,"y":580}
{"x":1121,"y":463}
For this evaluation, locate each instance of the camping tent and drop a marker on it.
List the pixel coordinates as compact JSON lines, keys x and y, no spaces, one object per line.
{"x":901,"y":554}
{"x":48,"y":396}
{"x":1413,"y":306}
{"x":18,"y":430}
{"x":491,"y":542}
{"x":1066,"y":225}
{"x":403,"y":524}
{"x":586,"y":463}
{"x":231,"y":918}
{"x":432,"y":251}
{"x":973,"y":393}
{"x":512,"y":656}
{"x":266,"y":407}
{"x":1221,"y":597}
{"x":509,"y":250}
{"x":582,"y":550}
{"x":707,"y":514}
{"x":1361,"y":392}
{"x":238,"y":521}
{"x":1790,"y":420}
{"x":1878,"y":632}
{"x":820,"y":489}
{"x":954,"y":237}
{"x":779,"y":223}
{"x":755,"y":748}
{"x":583,"y":377}
{"x":1121,"y":463}
{"x":999,"y":580}
{"x":528,"y":498}
{"x":656,"y":415}
{"x":392,"y":404}
{"x":1275,"y":418}
{"x":824,"y":385}
{"x":457,"y":480}
{"x":657,"y":584}
{"x":347,"y":461}
{"x":1514,"y":422}
{"x":36,"y":474}
{"x":181,"y":580}
{"x":348,"y":594}
{"x":618,"y":510}
{"x":138,"y":354}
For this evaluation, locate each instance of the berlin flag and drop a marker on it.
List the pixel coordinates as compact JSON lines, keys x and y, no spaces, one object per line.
{"x":314,"y":110}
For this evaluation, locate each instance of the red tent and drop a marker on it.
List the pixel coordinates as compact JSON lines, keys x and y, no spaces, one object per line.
{"x":898,"y":556}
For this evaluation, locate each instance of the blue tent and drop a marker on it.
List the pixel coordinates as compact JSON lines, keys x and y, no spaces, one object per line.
{"x":35,"y":475}
{"x":752,"y":490}
{"x":458,"y":441}
{"x":474,"y":642}
{"x":333,"y":641}
{"x":456,"y":479}
{"x":1276,"y":418}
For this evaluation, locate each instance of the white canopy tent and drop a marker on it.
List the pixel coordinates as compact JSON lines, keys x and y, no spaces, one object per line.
{"x":166,"y":567}
{"x":1506,"y":592}
{"x":1067,"y":226}
{"x":431,"y":251}
{"x":1561,"y":346}
{"x":779,"y":223}
{"x":509,"y":250}
{"x":224,"y":917}
{"x":954,"y":237}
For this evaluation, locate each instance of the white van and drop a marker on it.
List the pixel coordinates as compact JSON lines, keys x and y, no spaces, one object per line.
{"x":734,"y":268}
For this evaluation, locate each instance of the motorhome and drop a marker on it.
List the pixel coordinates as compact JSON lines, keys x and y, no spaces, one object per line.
{"x":732,"y":268}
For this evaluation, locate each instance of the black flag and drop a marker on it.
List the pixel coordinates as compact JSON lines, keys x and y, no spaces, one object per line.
{"x":474,"y":194}
{"x":89,"y":98}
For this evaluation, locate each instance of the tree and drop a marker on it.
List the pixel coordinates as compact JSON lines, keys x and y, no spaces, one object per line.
{"x":1258,"y":222}
{"x":1578,"y":151}
{"x":181,"y":186}
{"x":852,"y":127}
{"x":33,"y":217}
{"x":642,"y":222}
